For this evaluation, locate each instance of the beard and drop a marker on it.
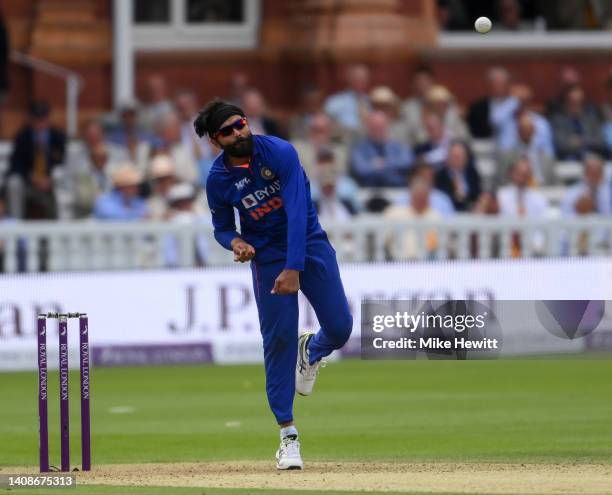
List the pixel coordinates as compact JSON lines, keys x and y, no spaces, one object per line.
{"x":242,"y":148}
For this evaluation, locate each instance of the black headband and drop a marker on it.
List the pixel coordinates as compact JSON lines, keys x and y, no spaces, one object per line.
{"x":219,"y":115}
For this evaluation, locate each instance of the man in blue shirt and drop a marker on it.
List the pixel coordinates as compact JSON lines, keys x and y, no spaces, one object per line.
{"x":261,"y":177}
{"x":123,"y":202}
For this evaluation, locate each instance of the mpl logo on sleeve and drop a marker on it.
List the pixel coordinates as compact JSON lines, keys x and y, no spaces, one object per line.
{"x":242,"y":183}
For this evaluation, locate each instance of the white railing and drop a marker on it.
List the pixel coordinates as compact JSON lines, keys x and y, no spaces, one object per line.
{"x":74,"y":85}
{"x":88,"y":245}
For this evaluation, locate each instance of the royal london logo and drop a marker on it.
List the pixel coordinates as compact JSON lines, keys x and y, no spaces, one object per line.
{"x":240,"y":185}
{"x":267,"y":174}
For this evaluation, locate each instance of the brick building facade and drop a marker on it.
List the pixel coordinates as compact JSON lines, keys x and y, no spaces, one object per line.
{"x":298,"y":42}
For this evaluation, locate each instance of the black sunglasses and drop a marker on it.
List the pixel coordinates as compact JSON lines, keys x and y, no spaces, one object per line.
{"x":229,"y":129}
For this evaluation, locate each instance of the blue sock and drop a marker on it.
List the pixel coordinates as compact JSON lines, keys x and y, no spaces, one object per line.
{"x":288,"y":431}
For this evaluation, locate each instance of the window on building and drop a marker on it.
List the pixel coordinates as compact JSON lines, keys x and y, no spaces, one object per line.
{"x":151,"y":11}
{"x":231,"y":11}
{"x":526,"y":15}
{"x":545,"y":24}
{"x":195,"y":24}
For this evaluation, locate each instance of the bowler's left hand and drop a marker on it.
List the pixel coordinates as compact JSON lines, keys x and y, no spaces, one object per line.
{"x":288,"y":282}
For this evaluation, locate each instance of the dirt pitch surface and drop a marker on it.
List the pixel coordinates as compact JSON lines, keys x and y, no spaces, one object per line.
{"x":372,"y":476}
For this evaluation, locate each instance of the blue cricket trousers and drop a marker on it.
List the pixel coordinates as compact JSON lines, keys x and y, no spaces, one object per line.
{"x":278,"y":319}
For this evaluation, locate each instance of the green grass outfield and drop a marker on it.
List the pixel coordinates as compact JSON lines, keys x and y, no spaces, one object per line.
{"x":494,"y":411}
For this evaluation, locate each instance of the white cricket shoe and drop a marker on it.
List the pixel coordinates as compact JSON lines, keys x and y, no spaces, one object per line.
{"x":306,"y":374}
{"x":288,"y":454}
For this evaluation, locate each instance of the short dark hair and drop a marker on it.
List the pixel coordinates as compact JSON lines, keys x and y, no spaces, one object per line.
{"x":200,"y":124}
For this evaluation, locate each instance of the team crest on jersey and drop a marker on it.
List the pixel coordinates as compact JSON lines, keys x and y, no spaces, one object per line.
{"x":267,"y":174}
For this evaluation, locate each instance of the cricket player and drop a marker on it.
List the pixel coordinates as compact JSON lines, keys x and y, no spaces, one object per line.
{"x":261,"y":177}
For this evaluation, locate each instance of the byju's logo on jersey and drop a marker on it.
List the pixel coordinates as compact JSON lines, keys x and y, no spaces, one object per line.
{"x":242,"y":183}
{"x":249,"y":201}
{"x":267,"y":174}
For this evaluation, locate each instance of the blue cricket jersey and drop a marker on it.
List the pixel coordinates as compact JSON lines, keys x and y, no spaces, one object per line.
{"x":272,"y":196}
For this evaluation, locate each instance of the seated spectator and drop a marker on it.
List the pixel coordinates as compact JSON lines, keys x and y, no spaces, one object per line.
{"x":129,"y":136}
{"x":438,"y":200}
{"x":88,"y":182}
{"x":520,"y":199}
{"x":349,"y":107}
{"x":459,"y":178}
{"x":171,"y":144}
{"x":159,"y":103}
{"x":329,"y":205}
{"x":535,"y":146}
{"x":434,"y":150}
{"x":481,"y":113}
{"x":35,"y":163}
{"x":593,"y":194}
{"x":441,"y":102}
{"x":569,"y":78}
{"x":311,"y":105}
{"x":344,"y":188}
{"x":319,"y":137}
{"x":506,"y":123}
{"x":93,"y":137}
{"x":377,"y":160}
{"x":202,"y":152}
{"x":162,"y":175}
{"x":412,"y":108}
{"x":183,"y":209}
{"x":383,"y":98}
{"x":260,"y":122}
{"x":577,"y":129}
{"x":419,"y":207}
{"x":122,"y":202}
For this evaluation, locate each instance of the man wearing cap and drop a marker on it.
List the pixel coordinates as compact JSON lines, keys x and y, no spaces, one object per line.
{"x":38,"y":151}
{"x":262,"y":178}
{"x":162,"y":175}
{"x":384,"y":99}
{"x":123,"y":202}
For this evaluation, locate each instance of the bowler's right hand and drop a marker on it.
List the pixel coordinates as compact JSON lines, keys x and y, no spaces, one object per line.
{"x":243,"y":251}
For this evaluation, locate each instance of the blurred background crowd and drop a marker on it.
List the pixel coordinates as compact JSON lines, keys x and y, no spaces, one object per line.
{"x":365,"y":150}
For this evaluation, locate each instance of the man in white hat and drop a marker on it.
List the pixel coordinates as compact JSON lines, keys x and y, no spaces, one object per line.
{"x":384,"y":99}
{"x":123,"y":202}
{"x":162,"y":175}
{"x":183,"y":209}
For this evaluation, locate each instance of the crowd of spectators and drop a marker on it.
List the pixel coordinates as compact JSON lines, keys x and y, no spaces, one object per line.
{"x":146,"y":163}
